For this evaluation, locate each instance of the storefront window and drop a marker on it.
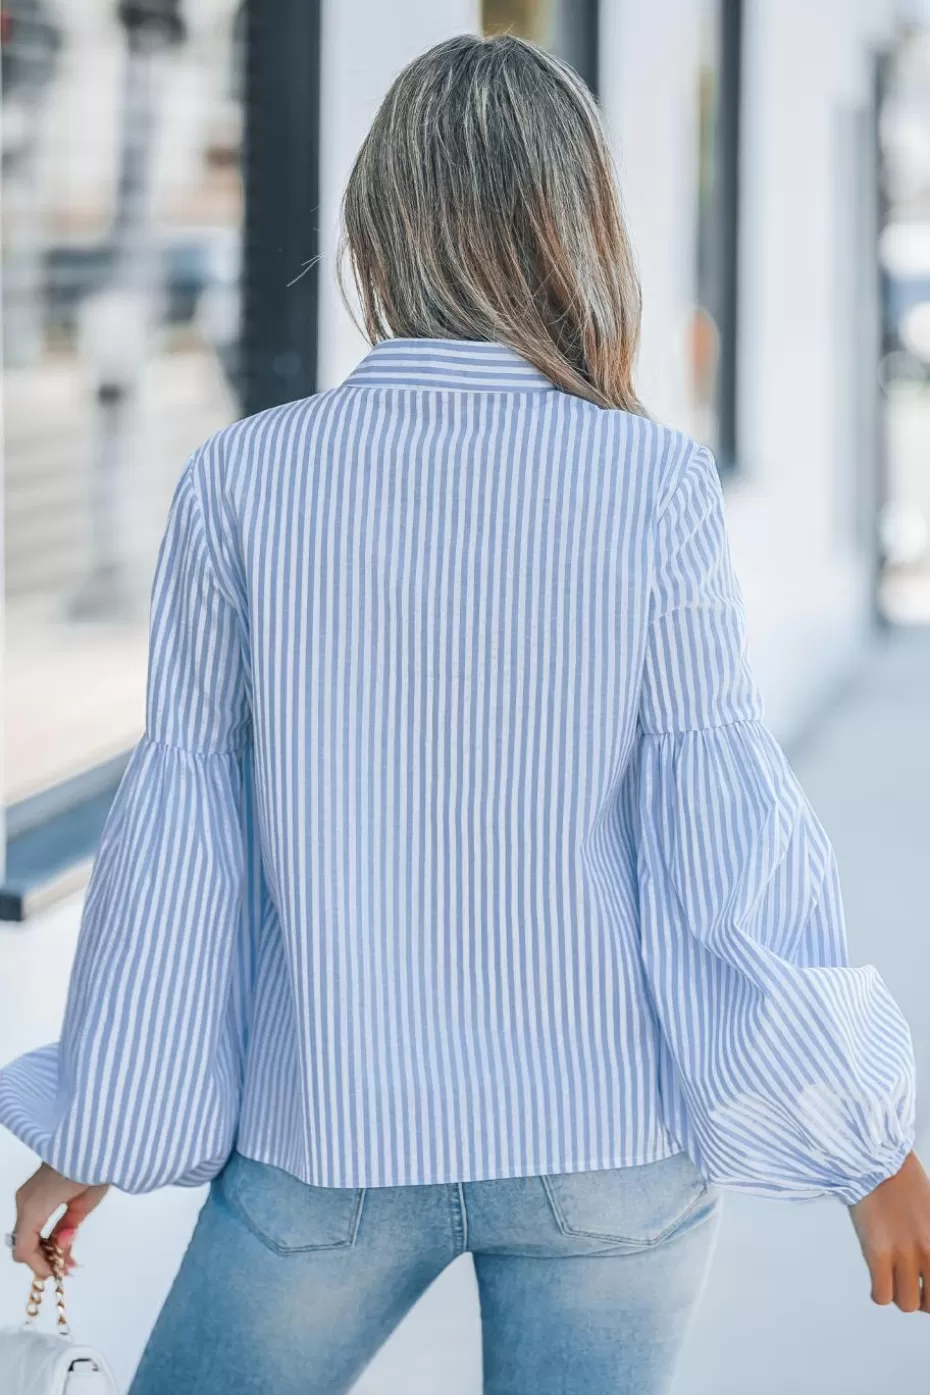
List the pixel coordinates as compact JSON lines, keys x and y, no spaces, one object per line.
{"x":121,"y":251}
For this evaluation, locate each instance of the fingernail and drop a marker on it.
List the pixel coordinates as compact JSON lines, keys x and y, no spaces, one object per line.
{"x":65,"y":1238}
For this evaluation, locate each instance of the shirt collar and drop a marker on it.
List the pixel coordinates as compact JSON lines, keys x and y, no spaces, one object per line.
{"x":463,"y":365}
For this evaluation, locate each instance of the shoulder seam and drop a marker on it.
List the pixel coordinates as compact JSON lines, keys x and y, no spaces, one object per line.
{"x":692,"y":454}
{"x":200,"y":510}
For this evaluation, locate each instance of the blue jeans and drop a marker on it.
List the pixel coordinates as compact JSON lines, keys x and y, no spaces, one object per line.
{"x":586,"y":1280}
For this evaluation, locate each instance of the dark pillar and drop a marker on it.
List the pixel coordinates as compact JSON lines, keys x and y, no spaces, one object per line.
{"x":281,"y":173}
{"x":731,"y":84}
{"x":576,"y":39}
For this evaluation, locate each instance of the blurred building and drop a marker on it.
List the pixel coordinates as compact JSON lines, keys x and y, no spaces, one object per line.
{"x":747,"y":140}
{"x":172,"y":171}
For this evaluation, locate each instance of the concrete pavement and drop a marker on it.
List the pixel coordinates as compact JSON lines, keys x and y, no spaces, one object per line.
{"x":787,"y":1310}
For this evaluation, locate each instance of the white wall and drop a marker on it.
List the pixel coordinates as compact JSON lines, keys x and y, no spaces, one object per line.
{"x":648,"y":92}
{"x":365,"y":43}
{"x":805,"y":571}
{"x":807,"y":581}
{"x":805,"y":577}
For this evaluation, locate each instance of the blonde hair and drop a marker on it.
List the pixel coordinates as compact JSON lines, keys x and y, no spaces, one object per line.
{"x":483,"y":205}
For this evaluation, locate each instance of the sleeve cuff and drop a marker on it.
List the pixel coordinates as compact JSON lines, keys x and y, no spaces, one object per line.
{"x":892,"y":1164}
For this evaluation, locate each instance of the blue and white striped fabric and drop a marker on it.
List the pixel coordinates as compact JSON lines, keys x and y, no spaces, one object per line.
{"x":455,"y":847}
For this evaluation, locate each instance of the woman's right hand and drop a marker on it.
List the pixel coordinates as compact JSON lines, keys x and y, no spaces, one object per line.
{"x":893,"y":1225}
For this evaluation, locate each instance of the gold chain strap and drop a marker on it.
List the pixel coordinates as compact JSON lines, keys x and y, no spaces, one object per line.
{"x":57,"y":1262}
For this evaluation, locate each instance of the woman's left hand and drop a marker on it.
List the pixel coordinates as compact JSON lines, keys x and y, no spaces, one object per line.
{"x":40,"y":1198}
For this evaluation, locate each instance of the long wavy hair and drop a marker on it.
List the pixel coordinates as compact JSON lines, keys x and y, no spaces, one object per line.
{"x":483,"y":205}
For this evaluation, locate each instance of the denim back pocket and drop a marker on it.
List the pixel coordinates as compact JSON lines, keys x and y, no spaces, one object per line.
{"x":631,"y":1206}
{"x":288,"y":1215}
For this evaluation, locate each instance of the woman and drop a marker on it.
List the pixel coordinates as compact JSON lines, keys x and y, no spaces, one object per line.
{"x":456,"y":897}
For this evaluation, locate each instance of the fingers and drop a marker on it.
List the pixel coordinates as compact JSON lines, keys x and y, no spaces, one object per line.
{"x":63,"y":1234}
{"x":38,"y":1199}
{"x":881,"y":1269}
{"x":65,"y":1228}
{"x":28,"y":1252}
{"x":901,"y":1279}
{"x":907,"y":1284}
{"x":80,"y":1206}
{"x":28,"y":1230}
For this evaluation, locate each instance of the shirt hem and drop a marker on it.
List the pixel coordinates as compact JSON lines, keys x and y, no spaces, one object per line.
{"x":315,"y":1177}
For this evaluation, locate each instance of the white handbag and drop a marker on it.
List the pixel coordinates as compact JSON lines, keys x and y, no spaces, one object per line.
{"x":43,"y":1363}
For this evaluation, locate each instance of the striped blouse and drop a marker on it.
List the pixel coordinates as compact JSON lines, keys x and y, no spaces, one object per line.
{"x":455,"y":847}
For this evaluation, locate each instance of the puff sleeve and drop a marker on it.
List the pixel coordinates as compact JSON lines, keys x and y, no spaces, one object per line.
{"x":143,"y":1088}
{"x":785,"y":1071}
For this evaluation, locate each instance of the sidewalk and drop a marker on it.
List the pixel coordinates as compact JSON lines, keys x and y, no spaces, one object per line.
{"x":787,"y":1308}
{"x":787,"y":1311}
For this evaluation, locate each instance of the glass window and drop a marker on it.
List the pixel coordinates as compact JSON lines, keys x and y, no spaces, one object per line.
{"x":121,"y":249}
{"x":898,"y":487}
